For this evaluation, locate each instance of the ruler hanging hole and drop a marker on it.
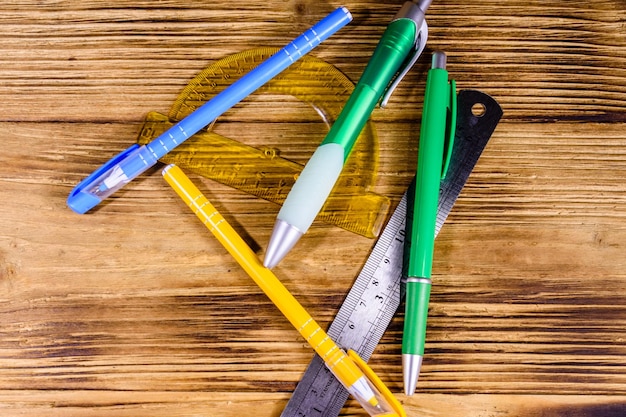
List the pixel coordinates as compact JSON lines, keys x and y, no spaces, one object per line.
{"x":479,"y":109}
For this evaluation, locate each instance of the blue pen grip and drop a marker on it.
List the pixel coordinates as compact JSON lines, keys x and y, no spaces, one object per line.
{"x":250,"y":82}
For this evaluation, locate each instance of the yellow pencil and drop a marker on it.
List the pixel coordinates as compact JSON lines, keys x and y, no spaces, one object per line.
{"x":348,"y":368}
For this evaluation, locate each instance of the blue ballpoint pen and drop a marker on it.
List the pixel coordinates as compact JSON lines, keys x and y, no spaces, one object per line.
{"x":135,"y":160}
{"x":399,"y":47}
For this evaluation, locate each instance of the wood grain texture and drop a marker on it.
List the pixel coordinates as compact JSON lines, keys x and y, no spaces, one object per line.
{"x":135,"y":310}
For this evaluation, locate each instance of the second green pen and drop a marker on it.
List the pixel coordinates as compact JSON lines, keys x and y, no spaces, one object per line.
{"x":438,"y":122}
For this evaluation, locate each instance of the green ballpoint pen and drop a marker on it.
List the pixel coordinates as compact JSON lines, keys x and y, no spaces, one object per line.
{"x":399,"y":47}
{"x":438,"y":123}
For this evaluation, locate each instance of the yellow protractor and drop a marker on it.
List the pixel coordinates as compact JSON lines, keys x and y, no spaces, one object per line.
{"x":259,"y":168}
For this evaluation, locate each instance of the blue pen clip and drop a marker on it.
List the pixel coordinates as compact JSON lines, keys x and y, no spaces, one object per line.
{"x":413,"y":12}
{"x":110,"y":177}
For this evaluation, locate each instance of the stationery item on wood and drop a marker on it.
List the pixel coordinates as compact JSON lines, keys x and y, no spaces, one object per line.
{"x":376,"y":294}
{"x":398,"y":49}
{"x":137,"y":159}
{"x":263,"y":171}
{"x":353,"y":373}
{"x":435,"y":146}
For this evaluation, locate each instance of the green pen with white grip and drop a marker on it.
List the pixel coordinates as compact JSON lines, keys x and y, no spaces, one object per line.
{"x":437,"y":128}
{"x":399,"y":47}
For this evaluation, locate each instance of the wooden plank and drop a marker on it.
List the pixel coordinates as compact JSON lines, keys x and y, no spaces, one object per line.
{"x":136,"y":310}
{"x":96,"y":63}
{"x":177,"y":404}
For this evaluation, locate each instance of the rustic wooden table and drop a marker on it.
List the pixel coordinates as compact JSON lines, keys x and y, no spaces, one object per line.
{"x":135,"y":310}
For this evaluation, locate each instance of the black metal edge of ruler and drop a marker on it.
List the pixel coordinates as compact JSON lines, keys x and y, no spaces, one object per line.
{"x":375,"y":296}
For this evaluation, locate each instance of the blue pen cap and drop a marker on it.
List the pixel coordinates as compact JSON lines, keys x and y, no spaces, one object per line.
{"x":81,"y":202}
{"x":110,"y":177}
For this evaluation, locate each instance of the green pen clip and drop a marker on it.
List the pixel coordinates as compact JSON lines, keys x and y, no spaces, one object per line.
{"x":450,"y":130}
{"x":414,"y":13}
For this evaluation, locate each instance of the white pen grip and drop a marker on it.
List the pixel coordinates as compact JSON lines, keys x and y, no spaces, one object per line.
{"x":311,"y":189}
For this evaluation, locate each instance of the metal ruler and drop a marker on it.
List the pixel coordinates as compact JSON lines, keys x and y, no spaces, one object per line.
{"x":376,"y":294}
{"x":262,"y":171}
